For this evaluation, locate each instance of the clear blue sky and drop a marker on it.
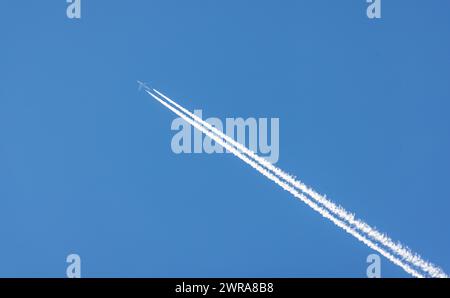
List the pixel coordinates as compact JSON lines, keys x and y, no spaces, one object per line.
{"x":85,"y":160}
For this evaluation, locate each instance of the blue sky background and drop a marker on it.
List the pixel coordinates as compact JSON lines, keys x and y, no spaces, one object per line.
{"x":85,"y":160}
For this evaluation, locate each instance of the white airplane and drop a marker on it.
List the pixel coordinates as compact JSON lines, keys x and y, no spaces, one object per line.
{"x":143,"y":85}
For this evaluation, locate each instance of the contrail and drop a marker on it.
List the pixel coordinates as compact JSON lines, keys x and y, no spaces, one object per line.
{"x":291,"y":190}
{"x":325,"y":213}
{"x":220,"y":137}
{"x":397,"y":248}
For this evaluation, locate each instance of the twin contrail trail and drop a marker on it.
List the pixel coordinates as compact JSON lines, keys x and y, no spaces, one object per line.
{"x":412,"y":263}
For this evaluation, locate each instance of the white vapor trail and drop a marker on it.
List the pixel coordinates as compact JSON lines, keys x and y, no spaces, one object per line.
{"x":406,"y":259}
{"x":372,"y":233}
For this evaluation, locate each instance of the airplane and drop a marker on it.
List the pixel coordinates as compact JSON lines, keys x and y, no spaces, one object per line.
{"x":143,"y":85}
